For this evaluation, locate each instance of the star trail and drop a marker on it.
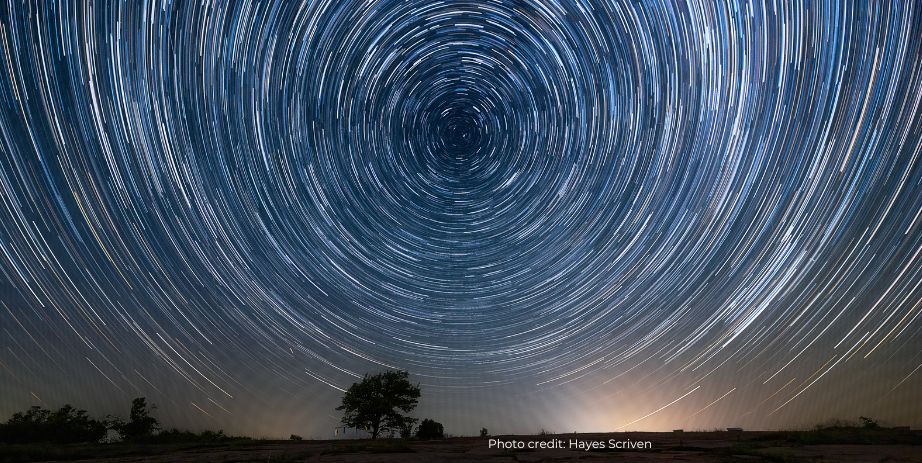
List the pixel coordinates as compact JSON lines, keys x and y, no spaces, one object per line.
{"x":585,"y":215}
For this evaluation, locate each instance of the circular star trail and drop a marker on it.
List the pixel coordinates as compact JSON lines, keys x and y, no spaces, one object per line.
{"x":686,"y":198}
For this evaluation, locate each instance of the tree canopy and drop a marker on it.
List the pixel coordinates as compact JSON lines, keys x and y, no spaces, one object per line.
{"x":380,"y":402}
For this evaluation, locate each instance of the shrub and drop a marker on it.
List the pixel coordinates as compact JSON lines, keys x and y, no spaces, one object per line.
{"x":430,"y":429}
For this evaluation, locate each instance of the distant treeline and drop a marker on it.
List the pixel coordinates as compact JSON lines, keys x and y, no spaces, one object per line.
{"x":70,"y":425}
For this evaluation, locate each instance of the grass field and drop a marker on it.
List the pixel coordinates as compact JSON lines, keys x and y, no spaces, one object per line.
{"x":823,"y":445}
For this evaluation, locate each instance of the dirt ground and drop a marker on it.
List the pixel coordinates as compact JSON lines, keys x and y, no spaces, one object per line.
{"x":691,"y":447}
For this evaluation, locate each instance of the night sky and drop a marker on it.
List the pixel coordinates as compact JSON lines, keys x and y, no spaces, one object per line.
{"x":577,"y":216}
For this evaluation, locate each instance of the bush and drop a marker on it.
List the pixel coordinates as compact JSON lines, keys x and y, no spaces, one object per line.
{"x":430,"y":429}
{"x":484,"y":432}
{"x":295,"y":437}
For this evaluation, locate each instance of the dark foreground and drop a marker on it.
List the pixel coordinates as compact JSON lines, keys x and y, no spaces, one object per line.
{"x":847,"y":445}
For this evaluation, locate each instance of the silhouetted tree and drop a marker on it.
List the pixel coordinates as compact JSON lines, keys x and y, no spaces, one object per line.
{"x":430,"y":429}
{"x":71,"y":425}
{"x":484,"y":432}
{"x":140,"y":424}
{"x":66,"y":425}
{"x":30,"y":426}
{"x":378,"y":402}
